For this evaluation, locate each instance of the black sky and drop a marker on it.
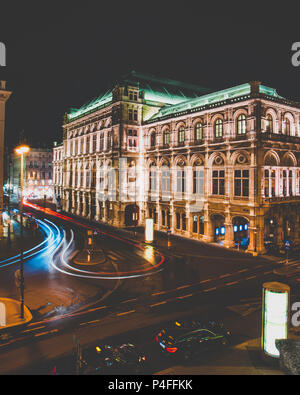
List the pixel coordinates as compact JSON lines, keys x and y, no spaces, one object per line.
{"x":63,"y":54}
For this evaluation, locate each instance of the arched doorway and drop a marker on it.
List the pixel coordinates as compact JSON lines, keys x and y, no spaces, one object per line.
{"x":131,"y":215}
{"x":241,"y":232}
{"x":218,"y":227}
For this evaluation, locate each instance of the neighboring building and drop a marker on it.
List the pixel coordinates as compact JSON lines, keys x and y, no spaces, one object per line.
{"x":37,"y":174}
{"x":217,"y":166}
{"x":4,"y":96}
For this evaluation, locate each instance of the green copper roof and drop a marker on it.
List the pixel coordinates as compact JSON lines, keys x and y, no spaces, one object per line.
{"x":93,"y":105}
{"x":214,"y":97}
{"x":162,"y":90}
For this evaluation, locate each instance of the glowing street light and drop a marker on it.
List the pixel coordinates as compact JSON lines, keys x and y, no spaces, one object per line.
{"x":21,"y":150}
{"x":275,"y":310}
{"x":149,"y":232}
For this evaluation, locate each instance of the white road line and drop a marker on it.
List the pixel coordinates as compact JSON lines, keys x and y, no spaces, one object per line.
{"x":113,"y":257}
{"x":126,"y":312}
{"x":205,"y":281}
{"x":249,"y":278}
{"x":225,"y":275}
{"x":34,"y":329}
{"x":234,"y":282}
{"x":184,"y":286}
{"x":157,"y":304}
{"x":45,"y":333}
{"x":185,"y":296}
{"x":162,"y":292}
{"x":210,"y":289}
{"x":129,"y":300}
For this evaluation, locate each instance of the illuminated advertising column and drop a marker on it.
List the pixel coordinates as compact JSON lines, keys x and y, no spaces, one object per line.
{"x":149,"y":232}
{"x":275,"y":314}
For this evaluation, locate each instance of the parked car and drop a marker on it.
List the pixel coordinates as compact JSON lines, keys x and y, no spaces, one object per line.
{"x":189,"y":339}
{"x":106,"y":359}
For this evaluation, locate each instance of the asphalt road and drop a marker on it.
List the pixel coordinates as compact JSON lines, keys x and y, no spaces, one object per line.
{"x":194,"y":279}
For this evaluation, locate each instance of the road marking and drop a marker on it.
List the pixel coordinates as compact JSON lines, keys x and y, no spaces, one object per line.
{"x":113,"y":257}
{"x":96,"y":309}
{"x":205,"y":281}
{"x":126,"y":312}
{"x":271,"y":271}
{"x":210,"y":289}
{"x":225,"y":275}
{"x":92,"y":322}
{"x":162,"y":292}
{"x":185,"y":296}
{"x":45,"y":333}
{"x":184,"y":286}
{"x":157,"y":304}
{"x":249,"y":278}
{"x":234,"y":282}
{"x":243,"y":270}
{"x":129,"y":300}
{"x":34,"y":329}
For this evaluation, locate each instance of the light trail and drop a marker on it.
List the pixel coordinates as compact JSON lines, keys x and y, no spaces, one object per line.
{"x":101,"y":275}
{"x":50,"y":239}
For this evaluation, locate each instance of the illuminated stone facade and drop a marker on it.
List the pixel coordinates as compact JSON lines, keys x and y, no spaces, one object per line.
{"x":38,"y":175}
{"x":216,"y":166}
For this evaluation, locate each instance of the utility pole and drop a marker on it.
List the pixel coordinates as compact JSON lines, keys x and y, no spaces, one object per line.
{"x":21,"y":151}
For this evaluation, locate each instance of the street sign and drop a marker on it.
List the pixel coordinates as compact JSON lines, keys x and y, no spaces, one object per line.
{"x":287,"y":245}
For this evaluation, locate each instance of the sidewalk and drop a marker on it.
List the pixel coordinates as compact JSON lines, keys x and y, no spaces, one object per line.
{"x":9,"y":249}
{"x":10,"y":314}
{"x":245,"y":359}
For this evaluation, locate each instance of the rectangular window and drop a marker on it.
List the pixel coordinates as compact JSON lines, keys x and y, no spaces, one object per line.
{"x":183,"y":217}
{"x":181,"y":181}
{"x":165,"y":181}
{"x":218,"y":182}
{"x":241,"y":183}
{"x":198,"y":182}
{"x":130,"y":114}
{"x":177,"y":221}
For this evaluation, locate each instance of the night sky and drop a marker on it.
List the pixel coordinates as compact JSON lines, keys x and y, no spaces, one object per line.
{"x":64,"y":54}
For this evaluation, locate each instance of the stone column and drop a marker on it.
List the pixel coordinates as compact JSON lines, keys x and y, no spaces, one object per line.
{"x":229,"y":236}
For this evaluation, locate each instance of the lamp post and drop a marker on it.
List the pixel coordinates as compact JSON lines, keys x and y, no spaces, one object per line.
{"x":24,"y":149}
{"x":255,"y":232}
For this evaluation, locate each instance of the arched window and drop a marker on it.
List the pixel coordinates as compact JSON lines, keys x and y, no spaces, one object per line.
{"x":269,"y":124}
{"x":152,"y":140}
{"x":198,"y":131}
{"x":219,"y":128}
{"x":286,"y":127}
{"x":241,"y":124}
{"x":167,"y":137}
{"x":181,"y":135}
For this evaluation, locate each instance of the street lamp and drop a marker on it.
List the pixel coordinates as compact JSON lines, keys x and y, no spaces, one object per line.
{"x":22,"y":150}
